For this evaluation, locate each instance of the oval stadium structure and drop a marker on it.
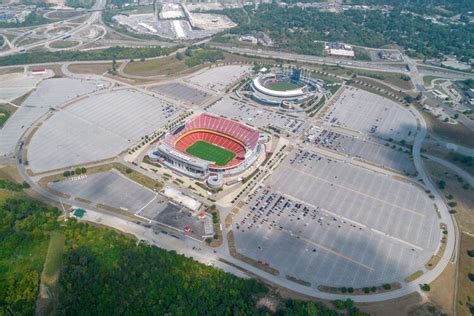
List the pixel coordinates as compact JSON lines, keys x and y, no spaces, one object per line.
{"x":208,"y":144}
{"x":279,"y":89}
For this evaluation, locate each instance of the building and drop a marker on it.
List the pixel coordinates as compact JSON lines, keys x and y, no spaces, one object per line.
{"x":234,"y":137}
{"x":339,"y":49}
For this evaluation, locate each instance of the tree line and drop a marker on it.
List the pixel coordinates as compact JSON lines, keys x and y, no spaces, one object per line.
{"x":100,"y":54}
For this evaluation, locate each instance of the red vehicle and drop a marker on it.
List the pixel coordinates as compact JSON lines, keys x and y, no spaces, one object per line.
{"x":188,"y":229}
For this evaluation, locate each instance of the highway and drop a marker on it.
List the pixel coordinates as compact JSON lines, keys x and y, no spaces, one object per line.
{"x":396,"y":67}
{"x":94,"y":16}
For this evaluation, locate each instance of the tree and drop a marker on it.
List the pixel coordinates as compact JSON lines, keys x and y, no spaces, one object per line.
{"x":179,"y":56}
{"x":442,"y":184}
{"x":425,"y":287}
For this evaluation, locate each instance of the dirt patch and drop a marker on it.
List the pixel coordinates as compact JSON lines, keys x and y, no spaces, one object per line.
{"x":455,"y":133}
{"x":6,"y":71}
{"x":454,"y":192}
{"x":268,"y":303}
{"x":396,"y":307}
{"x":161,"y":66}
{"x":442,"y":290}
{"x":465,"y":286}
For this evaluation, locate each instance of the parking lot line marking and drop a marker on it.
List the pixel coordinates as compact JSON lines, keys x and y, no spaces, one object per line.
{"x":354,"y":191}
{"x":329,"y":250}
{"x":397,"y":239}
{"x":154,"y":198}
{"x":323,"y":209}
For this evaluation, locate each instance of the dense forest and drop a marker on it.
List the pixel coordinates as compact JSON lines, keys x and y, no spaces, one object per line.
{"x":100,"y":54}
{"x":24,"y":234}
{"x":297,"y":29}
{"x":104,"y":272}
{"x":441,"y":7}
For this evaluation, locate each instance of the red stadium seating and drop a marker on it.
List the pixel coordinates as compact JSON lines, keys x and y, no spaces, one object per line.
{"x":227,"y":134}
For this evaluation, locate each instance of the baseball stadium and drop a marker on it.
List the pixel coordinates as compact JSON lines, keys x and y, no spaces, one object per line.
{"x":208,"y":145}
{"x":284,"y":89}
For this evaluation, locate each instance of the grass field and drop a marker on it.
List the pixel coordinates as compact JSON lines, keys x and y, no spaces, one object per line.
{"x":210,"y":152}
{"x":283,"y":86}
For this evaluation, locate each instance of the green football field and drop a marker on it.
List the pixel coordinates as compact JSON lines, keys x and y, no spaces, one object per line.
{"x":283,"y":86}
{"x":210,"y":152}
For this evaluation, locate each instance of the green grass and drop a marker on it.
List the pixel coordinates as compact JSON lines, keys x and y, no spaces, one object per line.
{"x":210,"y":152}
{"x":283,"y":86}
{"x":54,"y":257}
{"x":4,"y":115}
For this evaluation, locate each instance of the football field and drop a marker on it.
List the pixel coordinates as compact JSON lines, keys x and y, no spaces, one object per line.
{"x":210,"y":152}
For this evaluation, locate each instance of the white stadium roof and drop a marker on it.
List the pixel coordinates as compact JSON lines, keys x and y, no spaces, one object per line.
{"x":282,"y":94}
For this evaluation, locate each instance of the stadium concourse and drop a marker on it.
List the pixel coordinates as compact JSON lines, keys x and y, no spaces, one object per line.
{"x":208,"y":144}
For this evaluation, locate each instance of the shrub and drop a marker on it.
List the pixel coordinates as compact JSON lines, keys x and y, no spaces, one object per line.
{"x":442,"y":184}
{"x":425,"y":287}
{"x":471,"y":277}
{"x":387,"y":286}
{"x":128,"y":170}
{"x":339,"y":304}
{"x":66,"y":173}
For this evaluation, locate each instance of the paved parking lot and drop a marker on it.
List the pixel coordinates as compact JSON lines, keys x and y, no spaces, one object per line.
{"x":366,"y":149}
{"x":335,"y":224}
{"x":369,"y":113}
{"x":109,"y":188}
{"x":51,"y":93}
{"x":233,"y":109}
{"x":181,"y":92}
{"x":97,"y":128}
{"x":176,"y":216}
{"x":218,"y":78}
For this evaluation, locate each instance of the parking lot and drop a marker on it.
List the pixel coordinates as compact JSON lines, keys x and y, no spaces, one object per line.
{"x":332,"y":223}
{"x":109,"y":188}
{"x":218,"y":78}
{"x":97,"y":128}
{"x":181,"y":92}
{"x":233,"y":109}
{"x":371,"y":114}
{"x":174,"y":215}
{"x":366,"y":149}
{"x":51,"y":93}
{"x":113,"y":189}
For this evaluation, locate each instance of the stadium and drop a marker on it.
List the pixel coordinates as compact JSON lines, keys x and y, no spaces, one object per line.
{"x":284,"y":89}
{"x":209,"y":145}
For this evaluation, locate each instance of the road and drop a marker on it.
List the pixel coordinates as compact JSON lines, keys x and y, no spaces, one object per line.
{"x":395,"y":67}
{"x":94,"y":16}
